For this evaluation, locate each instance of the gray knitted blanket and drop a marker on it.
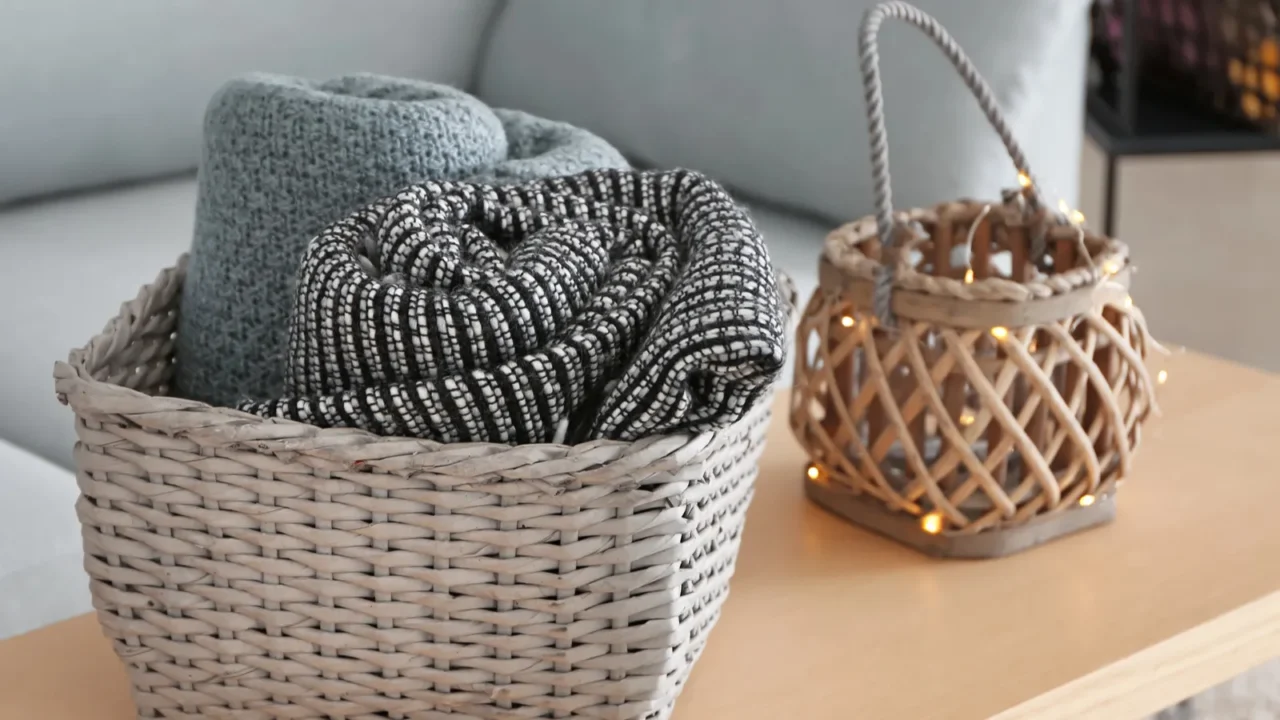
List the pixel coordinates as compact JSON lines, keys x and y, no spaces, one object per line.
{"x":284,"y":157}
{"x":609,"y":304}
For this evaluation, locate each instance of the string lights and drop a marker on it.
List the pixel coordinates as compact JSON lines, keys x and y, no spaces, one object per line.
{"x":980,"y":427}
{"x":1075,"y":216}
{"x":968,"y":244}
{"x":931,"y":523}
{"x":1110,"y":268}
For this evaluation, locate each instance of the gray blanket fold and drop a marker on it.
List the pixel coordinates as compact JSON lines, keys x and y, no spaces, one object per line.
{"x":284,"y":157}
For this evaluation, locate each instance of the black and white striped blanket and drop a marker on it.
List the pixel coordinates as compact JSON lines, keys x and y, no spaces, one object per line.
{"x":610,"y":304}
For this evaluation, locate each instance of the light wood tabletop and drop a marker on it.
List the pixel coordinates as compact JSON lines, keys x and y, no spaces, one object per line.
{"x":828,"y":621}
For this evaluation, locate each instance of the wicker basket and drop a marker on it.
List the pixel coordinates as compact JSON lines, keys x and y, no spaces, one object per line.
{"x":970,"y":379}
{"x":247,"y":568}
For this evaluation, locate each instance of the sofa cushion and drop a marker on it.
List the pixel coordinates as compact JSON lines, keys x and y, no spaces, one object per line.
{"x":98,"y":92}
{"x":766,"y":96}
{"x":69,"y":264}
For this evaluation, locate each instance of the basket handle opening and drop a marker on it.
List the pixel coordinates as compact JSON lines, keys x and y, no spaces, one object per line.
{"x":869,"y":52}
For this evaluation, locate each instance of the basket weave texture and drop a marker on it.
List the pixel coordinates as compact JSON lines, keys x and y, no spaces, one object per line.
{"x":252,"y":568}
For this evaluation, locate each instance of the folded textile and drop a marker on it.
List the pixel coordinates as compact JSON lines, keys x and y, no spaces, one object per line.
{"x":285,"y":157}
{"x":609,"y":304}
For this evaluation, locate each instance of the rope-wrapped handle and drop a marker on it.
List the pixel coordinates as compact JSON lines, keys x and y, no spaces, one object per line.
{"x":870,"y":60}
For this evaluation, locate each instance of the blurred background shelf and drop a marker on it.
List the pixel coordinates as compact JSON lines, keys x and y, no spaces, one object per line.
{"x":1180,"y":77}
{"x":1162,"y":126}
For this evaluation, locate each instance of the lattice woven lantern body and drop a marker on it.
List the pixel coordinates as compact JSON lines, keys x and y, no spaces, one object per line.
{"x":971,"y":378}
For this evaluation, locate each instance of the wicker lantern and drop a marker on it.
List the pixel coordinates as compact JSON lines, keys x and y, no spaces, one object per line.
{"x":971,"y":378}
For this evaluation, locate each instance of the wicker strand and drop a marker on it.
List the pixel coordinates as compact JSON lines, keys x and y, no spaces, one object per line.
{"x":874,"y":93}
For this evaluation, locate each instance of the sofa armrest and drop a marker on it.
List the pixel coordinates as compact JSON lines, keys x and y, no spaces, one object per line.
{"x":766,"y":96}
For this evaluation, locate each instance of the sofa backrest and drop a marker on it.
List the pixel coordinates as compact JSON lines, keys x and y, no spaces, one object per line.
{"x":98,"y":92}
{"x":766,"y":95}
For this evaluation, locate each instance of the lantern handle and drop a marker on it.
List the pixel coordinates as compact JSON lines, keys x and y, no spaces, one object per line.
{"x":874,"y":93}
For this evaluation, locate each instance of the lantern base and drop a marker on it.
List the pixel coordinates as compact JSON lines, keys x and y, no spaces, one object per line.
{"x":904,"y":528}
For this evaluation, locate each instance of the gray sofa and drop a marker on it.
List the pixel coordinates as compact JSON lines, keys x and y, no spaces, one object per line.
{"x":100,"y":108}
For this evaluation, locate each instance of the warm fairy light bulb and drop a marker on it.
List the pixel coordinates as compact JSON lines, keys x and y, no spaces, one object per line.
{"x":967,"y":418}
{"x":1075,"y":216}
{"x":1033,"y":345}
{"x":1162,"y":377}
{"x":1024,"y":179}
{"x":1086,"y":500}
{"x":1128,"y":301}
{"x":999,"y":333}
{"x":846,"y":321}
{"x":931,"y":523}
{"x":968,"y":276}
{"x":1111,"y":267}
{"x":813,"y":472}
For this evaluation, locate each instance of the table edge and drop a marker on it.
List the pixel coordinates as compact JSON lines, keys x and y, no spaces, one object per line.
{"x":1169,"y":671}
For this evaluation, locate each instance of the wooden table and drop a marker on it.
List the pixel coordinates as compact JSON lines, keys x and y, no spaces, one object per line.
{"x":828,"y":621}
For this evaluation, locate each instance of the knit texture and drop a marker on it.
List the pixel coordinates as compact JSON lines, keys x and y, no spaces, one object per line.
{"x":609,"y":304}
{"x":285,"y":157}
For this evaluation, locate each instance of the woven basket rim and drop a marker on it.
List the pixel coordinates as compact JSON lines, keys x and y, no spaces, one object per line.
{"x":214,"y":427}
{"x":843,"y":248}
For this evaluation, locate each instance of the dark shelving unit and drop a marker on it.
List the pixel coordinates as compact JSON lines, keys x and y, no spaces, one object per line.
{"x":1163,"y":127}
{"x":1129,"y":117}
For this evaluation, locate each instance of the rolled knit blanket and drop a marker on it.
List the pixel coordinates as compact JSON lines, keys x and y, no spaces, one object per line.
{"x":285,"y":157}
{"x":609,"y":304}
